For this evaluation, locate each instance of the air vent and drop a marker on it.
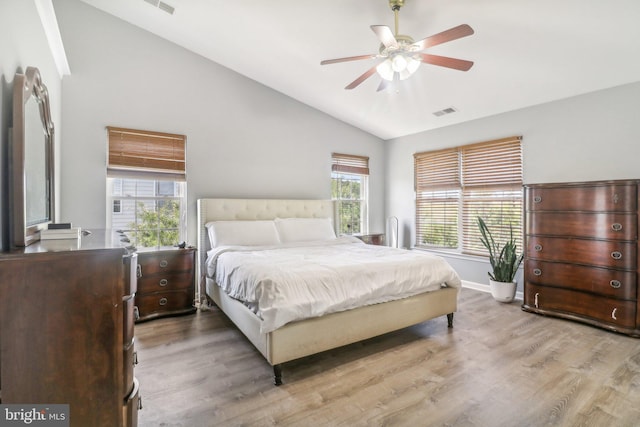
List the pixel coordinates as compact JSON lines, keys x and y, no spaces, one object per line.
{"x":448,"y":110}
{"x":162,"y":6}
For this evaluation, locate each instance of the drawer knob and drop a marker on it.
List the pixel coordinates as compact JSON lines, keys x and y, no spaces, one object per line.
{"x":615,"y":284}
{"x":538,"y":248}
{"x":535,"y":299}
{"x":537,"y":272}
{"x":616,"y":226}
{"x":616,"y":255}
{"x":163,"y":301}
{"x":138,"y":270}
{"x":164,"y":263}
{"x":163,"y":282}
{"x":613,"y":314}
{"x":537,"y":199}
{"x":136,"y":312}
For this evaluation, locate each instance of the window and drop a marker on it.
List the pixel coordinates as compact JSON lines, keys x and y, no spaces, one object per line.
{"x":349,"y":188}
{"x":146,"y":186}
{"x":455,"y":186}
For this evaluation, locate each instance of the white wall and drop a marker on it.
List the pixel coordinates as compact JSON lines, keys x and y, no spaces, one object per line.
{"x":243,"y":139}
{"x":583,"y":138}
{"x":22,"y":44}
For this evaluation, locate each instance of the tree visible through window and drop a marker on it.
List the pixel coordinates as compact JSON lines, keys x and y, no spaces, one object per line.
{"x":455,"y":186}
{"x":349,"y":182}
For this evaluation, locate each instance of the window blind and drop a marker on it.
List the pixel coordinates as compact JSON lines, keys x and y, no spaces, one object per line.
{"x":145,"y":154}
{"x":349,"y":163}
{"x":455,"y":186}
{"x":492,"y":189}
{"x":437,"y":185}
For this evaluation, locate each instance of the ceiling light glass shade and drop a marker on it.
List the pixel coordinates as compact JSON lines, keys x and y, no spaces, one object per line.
{"x":400,"y":63}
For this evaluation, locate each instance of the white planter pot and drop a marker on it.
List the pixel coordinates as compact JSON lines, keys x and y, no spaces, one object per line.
{"x":503,"y":291}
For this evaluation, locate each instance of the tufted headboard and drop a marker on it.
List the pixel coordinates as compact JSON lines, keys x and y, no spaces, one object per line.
{"x":254,"y":209}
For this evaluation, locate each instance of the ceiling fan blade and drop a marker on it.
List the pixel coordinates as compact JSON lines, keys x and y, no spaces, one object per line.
{"x":349,"y":58}
{"x":443,"y":61}
{"x":385,"y":35}
{"x":446,"y":36}
{"x":371,"y":71}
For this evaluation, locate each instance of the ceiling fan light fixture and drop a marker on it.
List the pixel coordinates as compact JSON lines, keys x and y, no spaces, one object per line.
{"x":402,"y":63}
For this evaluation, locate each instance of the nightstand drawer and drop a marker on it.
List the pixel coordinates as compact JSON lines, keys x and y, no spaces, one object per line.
{"x":162,"y":261}
{"x":165,"y":282}
{"x":165,"y":302}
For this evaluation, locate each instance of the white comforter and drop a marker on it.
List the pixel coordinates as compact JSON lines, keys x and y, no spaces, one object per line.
{"x":298,"y":281}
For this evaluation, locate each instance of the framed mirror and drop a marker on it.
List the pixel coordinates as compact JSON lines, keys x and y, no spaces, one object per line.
{"x":31,"y":159}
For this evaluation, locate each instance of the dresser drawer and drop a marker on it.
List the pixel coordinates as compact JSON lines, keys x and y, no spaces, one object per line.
{"x":607,"y":197}
{"x":132,"y":404}
{"x":129,"y":362}
{"x":163,"y":282}
{"x":612,"y":283}
{"x":616,"y":226}
{"x":163,"y":302}
{"x":128,"y":306}
{"x":561,"y":302}
{"x":613,"y":254}
{"x":157,"y":262}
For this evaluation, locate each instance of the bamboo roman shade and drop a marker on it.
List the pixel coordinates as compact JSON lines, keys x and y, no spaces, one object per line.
{"x":145,"y":154}
{"x":455,"y":186}
{"x":349,"y":163}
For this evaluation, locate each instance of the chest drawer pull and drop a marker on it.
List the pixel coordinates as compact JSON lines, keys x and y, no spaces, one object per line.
{"x":538,"y":248}
{"x":537,"y":199}
{"x":163,"y":301}
{"x":616,"y":226}
{"x":535,"y":299}
{"x":537,"y":272}
{"x":613,"y":314}
{"x":615,"y":284}
{"x":163,"y":282}
{"x":616,"y":255}
{"x":164,"y":263}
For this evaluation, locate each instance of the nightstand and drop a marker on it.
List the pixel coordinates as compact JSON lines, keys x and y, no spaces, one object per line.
{"x":167,"y":284}
{"x":371,"y":239}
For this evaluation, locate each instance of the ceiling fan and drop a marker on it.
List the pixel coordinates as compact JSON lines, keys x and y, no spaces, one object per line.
{"x":402,"y":56}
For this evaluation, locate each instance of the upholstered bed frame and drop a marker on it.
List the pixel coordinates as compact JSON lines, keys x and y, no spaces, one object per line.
{"x":303,"y":338}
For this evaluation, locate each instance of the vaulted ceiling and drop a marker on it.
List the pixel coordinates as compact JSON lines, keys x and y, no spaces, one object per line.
{"x":524,"y":52}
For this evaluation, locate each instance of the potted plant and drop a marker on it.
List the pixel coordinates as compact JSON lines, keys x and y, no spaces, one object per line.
{"x":504,"y":263}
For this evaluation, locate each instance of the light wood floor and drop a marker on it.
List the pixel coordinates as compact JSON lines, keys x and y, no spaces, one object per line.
{"x":498,"y":366}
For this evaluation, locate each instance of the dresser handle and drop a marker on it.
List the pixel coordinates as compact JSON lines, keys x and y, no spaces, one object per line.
{"x":615,"y":284}
{"x":136,"y":312}
{"x":537,"y":199}
{"x":135,"y":358}
{"x":616,"y":255}
{"x":163,"y":301}
{"x":163,"y":282}
{"x":613,"y":314}
{"x":140,"y":403}
{"x":138,"y":270}
{"x":537,"y":272}
{"x":616,"y":226}
{"x":164,"y":263}
{"x":538,"y":248}
{"x":535,"y":300}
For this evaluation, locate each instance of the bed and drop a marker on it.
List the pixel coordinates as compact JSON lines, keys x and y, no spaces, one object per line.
{"x":285,"y":340}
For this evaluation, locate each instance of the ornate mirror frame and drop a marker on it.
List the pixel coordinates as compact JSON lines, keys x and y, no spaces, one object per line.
{"x":31,"y":161}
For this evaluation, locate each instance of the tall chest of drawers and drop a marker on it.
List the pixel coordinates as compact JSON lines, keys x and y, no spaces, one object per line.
{"x":166,"y":285}
{"x":67,"y":329}
{"x":581,"y":253}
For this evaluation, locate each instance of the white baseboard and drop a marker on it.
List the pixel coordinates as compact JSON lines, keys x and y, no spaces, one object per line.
{"x":485,"y":288}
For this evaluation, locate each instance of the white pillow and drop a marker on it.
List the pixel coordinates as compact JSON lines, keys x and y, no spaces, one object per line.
{"x":242,"y":233}
{"x":304,"y":229}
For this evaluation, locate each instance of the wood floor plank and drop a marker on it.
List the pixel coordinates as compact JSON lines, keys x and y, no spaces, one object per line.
{"x":498,"y":366}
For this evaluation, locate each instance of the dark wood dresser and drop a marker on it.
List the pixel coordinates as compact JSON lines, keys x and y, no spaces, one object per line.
{"x":581,"y":253}
{"x":371,"y":239}
{"x":67,"y":328}
{"x":166,"y":286}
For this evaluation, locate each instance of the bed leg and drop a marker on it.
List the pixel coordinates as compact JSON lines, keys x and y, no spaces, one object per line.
{"x":277,"y":374}
{"x":450,"y":320}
